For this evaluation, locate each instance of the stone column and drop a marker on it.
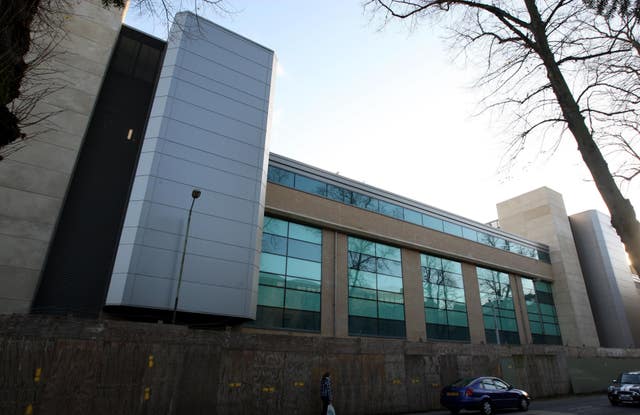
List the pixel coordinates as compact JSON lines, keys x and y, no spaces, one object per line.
{"x":474,"y":307}
{"x":413,"y":296}
{"x":341,"y":285}
{"x":328,"y":302}
{"x":520,"y":308}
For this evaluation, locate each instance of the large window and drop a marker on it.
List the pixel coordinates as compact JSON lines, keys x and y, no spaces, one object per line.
{"x":541,"y":309}
{"x":376,"y":302}
{"x":444,"y":303}
{"x":317,"y":187}
{"x":498,"y":312}
{"x":290,"y":275}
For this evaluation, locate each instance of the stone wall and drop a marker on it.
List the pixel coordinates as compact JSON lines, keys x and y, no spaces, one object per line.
{"x":63,"y":365}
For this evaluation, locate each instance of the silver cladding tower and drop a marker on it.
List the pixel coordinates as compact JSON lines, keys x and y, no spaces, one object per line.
{"x":208,"y":130}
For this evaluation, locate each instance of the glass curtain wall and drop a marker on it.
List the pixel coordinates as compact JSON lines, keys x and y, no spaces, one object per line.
{"x":376,"y":301}
{"x":444,"y":302}
{"x":498,"y":311}
{"x":541,"y":310}
{"x":290,"y":276}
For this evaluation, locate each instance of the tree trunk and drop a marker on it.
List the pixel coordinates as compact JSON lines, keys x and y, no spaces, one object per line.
{"x":623,"y":216}
{"x":16,"y":17}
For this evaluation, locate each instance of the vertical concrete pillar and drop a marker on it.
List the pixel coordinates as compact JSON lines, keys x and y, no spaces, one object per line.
{"x":540,"y":215}
{"x":474,"y":307}
{"x":328,"y":301}
{"x":413,"y":297}
{"x":341,"y":287}
{"x":520,"y":308}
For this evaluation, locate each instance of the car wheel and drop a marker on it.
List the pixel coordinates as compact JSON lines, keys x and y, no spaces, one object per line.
{"x":486,"y":408}
{"x":523,"y":405}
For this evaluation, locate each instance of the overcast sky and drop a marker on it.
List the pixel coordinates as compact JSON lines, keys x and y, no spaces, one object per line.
{"x":392,"y":108}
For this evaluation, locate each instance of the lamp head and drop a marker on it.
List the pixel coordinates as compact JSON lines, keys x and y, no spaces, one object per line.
{"x":195,"y":193}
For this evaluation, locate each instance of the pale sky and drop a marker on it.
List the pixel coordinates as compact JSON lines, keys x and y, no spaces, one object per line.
{"x":392,"y":109}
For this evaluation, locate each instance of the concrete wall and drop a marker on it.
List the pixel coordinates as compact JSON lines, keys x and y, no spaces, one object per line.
{"x":60,"y":365}
{"x":540,"y":215}
{"x":208,"y":130}
{"x":34,"y":178}
{"x":608,"y":278}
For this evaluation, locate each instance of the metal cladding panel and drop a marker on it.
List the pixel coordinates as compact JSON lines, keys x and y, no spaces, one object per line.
{"x":208,"y":130}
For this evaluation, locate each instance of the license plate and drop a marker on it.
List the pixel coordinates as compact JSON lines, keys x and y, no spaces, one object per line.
{"x":452,"y":393}
{"x":626,"y":398}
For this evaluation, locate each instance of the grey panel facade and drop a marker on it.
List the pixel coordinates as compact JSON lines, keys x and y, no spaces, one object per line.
{"x":608,"y":279}
{"x":208,"y":130}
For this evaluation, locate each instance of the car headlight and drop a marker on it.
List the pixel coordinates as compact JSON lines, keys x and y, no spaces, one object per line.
{"x":525,"y":394}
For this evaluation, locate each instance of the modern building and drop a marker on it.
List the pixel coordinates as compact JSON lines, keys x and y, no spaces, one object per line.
{"x":275,"y":244}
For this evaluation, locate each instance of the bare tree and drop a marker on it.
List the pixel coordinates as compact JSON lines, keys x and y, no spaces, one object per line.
{"x":557,"y":67}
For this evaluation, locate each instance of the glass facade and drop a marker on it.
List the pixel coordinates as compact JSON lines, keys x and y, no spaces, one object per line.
{"x":376,"y":300}
{"x":444,"y":302}
{"x":290,"y":276}
{"x":541,"y":310}
{"x":317,"y":187}
{"x":498,"y":310}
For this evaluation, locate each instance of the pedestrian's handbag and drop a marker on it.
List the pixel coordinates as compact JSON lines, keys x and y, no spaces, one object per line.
{"x":331,"y":410}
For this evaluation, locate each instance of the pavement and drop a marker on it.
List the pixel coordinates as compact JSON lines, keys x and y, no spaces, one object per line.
{"x":571,"y":405}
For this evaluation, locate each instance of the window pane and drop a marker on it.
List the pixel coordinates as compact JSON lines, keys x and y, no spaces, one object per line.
{"x":364,"y":308}
{"x":452,"y":228}
{"x":310,"y":185}
{"x":392,"y":284}
{"x":457,"y":319}
{"x":435,"y":303}
{"x":274,"y":264}
{"x":469,"y":234}
{"x":305,"y":250}
{"x":302,"y":268}
{"x":303,"y":284}
{"x":363,"y":293}
{"x":435,"y":316}
{"x":301,"y":320}
{"x":299,"y":300}
{"x":390,"y":209}
{"x":361,"y":262}
{"x":273,"y":280}
{"x":274,"y":226}
{"x":453,"y":280}
{"x":432,"y":276}
{"x":389,"y":267}
{"x":388,"y":252}
{"x":489,"y":322}
{"x":305,"y":233}
{"x":547,"y":309}
{"x":431,"y":222}
{"x":338,"y":193}
{"x":508,"y":324}
{"x":361,"y":245}
{"x":536,"y":328}
{"x":363,"y":201}
{"x":271,"y":296}
{"x":431,"y":261}
{"x":274,"y":244}
{"x":455,"y":294}
{"x":451,"y":266}
{"x":412,"y":216}
{"x":391,"y":311}
{"x":279,"y":176}
{"x":391,"y":328}
{"x":390,"y":297}
{"x":362,"y":279}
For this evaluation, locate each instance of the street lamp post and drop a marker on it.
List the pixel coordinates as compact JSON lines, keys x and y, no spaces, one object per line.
{"x":194,"y":195}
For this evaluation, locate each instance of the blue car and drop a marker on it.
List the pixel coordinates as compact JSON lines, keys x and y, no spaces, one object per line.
{"x":485,"y":394}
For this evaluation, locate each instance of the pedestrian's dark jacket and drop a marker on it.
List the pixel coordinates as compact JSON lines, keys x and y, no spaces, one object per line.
{"x":325,"y":388}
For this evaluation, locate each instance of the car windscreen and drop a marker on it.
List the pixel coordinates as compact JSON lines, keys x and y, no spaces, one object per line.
{"x":462,"y":382}
{"x":630,"y":378}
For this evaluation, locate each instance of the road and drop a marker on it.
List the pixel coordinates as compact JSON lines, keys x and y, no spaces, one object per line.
{"x":575,"y":405}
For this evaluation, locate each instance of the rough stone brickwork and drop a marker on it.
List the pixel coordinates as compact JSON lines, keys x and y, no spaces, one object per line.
{"x":34,"y":179}
{"x":63,"y":365}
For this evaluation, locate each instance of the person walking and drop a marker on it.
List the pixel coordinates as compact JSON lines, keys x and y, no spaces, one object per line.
{"x":326,"y":394}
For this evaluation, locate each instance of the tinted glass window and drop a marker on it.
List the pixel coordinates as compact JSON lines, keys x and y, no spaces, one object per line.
{"x":541,"y":310}
{"x":376,"y":301}
{"x":498,"y":312}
